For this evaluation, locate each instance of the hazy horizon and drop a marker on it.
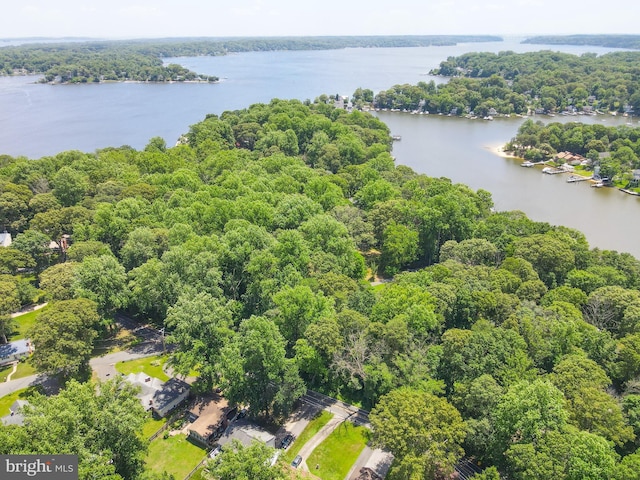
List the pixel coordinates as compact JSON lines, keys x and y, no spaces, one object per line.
{"x":142,"y":19}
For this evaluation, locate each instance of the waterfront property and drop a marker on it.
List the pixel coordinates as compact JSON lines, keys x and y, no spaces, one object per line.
{"x":160,"y":398}
{"x":15,"y":351}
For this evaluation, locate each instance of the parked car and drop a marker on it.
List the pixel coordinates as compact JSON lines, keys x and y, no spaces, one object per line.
{"x":286,"y":441}
{"x":242,"y":413}
{"x":215,"y":452}
{"x":296,"y":461}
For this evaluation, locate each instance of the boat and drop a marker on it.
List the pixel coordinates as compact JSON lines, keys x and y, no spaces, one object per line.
{"x":527,"y":164}
{"x":396,"y":138}
{"x":488,"y":117}
{"x":597,"y":185}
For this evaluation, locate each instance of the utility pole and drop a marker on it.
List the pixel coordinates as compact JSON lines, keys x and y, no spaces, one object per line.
{"x":164,"y":350}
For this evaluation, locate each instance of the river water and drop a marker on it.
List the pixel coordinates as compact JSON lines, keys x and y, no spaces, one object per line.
{"x":38,"y":120}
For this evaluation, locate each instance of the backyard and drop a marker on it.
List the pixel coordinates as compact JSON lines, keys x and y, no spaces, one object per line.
{"x":174,"y":454}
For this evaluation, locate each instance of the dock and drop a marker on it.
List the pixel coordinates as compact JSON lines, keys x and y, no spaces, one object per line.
{"x":577,"y":178}
{"x":552,"y":171}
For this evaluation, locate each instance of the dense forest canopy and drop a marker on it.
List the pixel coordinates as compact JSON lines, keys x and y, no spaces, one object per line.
{"x":508,"y":83}
{"x":607,"y":40}
{"x":499,"y":338}
{"x":141,"y":60}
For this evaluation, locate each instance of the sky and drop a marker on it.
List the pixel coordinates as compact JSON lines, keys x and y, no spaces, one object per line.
{"x":213,"y":18}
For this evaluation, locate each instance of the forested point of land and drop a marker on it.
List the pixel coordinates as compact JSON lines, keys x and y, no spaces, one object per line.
{"x":254,"y":242}
{"x":508,"y":83}
{"x":611,"y":40}
{"x":141,"y":60}
{"x":614,"y":150}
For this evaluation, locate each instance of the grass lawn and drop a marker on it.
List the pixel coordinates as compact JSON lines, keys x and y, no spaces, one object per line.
{"x":198,"y":474}
{"x":24,"y":370}
{"x":23,"y":323}
{"x":152,"y":366}
{"x":175,"y":455}
{"x":7,"y":400}
{"x":337,"y":454}
{"x":309,"y":431}
{"x":151,"y":426}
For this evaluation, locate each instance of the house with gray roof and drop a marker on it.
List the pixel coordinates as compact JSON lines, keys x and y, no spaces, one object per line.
{"x":15,"y":351}
{"x":157,"y":396}
{"x":247,"y":433}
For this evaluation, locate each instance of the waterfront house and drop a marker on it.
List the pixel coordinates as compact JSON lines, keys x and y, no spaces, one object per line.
{"x":15,"y":351}
{"x":160,"y":398}
{"x":569,"y":158}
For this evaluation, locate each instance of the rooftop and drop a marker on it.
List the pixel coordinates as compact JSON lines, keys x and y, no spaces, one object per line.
{"x":18,"y":347}
{"x":246,"y":433}
{"x":210,"y":411}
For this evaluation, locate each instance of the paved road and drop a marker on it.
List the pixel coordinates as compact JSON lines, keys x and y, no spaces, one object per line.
{"x":104,"y":366}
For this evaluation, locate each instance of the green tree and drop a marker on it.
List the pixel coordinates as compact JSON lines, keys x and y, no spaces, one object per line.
{"x":256,"y":371}
{"x":99,"y":423}
{"x":238,"y":462}
{"x":399,"y":247}
{"x":200,"y":326}
{"x":424,"y":432}
{"x":103,"y":280}
{"x":63,"y":337}
{"x":57,"y":281}
{"x":69,"y":186}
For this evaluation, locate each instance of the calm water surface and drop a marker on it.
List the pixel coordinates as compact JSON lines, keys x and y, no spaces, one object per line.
{"x":38,"y":120}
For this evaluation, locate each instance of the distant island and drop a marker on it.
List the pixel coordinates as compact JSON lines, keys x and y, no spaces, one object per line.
{"x":142,"y":60}
{"x":611,"y":41}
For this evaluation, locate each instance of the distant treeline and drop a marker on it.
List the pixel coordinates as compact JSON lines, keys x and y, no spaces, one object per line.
{"x":612,"y":41}
{"x":508,"y":82}
{"x":141,"y":60}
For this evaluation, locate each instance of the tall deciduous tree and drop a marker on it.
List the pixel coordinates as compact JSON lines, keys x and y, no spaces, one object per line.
{"x":103,"y":280}
{"x":63,"y":337}
{"x":244,"y":463}
{"x":256,"y":371}
{"x":424,"y":433}
{"x":99,"y":424}
{"x":201,"y":326}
